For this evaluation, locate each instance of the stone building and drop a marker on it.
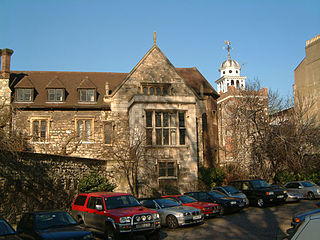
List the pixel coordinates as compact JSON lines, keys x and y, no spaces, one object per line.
{"x":306,"y":86}
{"x":82,"y":114}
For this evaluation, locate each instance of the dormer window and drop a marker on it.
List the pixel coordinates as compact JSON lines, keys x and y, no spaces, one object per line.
{"x":87,"y":95}
{"x":55,"y":95}
{"x":24,"y":95}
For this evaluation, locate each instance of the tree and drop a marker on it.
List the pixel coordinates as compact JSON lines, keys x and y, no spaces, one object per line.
{"x":94,"y":182}
{"x":129,"y":155}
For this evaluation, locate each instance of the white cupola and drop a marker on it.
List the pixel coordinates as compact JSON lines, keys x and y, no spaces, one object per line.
{"x":230,"y":74}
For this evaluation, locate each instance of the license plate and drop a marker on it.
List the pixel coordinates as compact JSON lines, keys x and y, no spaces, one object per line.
{"x":280,"y":196}
{"x":197,"y":217}
{"x":233,"y":202}
{"x":143,"y":225}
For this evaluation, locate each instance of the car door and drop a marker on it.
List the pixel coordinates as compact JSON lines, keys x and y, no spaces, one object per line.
{"x":95,"y":217}
{"x":294,"y":187}
{"x":247,"y":189}
{"x":25,"y":227}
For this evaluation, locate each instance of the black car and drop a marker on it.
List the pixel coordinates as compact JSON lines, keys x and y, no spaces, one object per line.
{"x":6,"y":231}
{"x":51,"y":225}
{"x":227,"y":204}
{"x":259,"y":192}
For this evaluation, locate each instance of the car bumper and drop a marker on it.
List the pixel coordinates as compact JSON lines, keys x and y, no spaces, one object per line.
{"x":275,"y":199}
{"x":145,"y":227}
{"x":190,"y":220}
{"x":294,"y":198}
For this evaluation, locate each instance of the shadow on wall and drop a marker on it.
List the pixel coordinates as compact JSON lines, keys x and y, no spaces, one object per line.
{"x":31,"y":182}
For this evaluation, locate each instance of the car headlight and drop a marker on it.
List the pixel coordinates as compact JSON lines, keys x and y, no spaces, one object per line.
{"x":156,"y":216}
{"x":125,"y":219}
{"x":318,"y":191}
{"x":285,"y":191}
{"x":187,"y":213}
{"x":179,"y":214}
{"x":89,"y":236}
{"x":270,"y":193}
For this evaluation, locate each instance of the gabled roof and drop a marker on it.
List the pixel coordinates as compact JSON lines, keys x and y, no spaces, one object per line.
{"x":195,"y":79}
{"x":86,"y":83}
{"x":55,"y":83}
{"x":25,"y":83}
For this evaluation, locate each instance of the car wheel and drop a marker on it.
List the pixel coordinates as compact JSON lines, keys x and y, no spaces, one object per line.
{"x":311,"y":196}
{"x":222,"y":211}
{"x":172,"y":222}
{"x":110,"y":233}
{"x":260,"y":202}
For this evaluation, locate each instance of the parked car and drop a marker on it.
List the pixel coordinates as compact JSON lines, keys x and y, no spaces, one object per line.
{"x":7,"y":231}
{"x":208,"y":209}
{"x":292,"y":196}
{"x":173,"y":214}
{"x":259,"y":192}
{"x":231,"y":191}
{"x":227,"y":204}
{"x":51,"y":225}
{"x":307,"y":230}
{"x":298,"y":218}
{"x":116,"y":214}
{"x":308,"y":189}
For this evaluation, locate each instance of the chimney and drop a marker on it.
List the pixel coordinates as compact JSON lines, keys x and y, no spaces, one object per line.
{"x":6,"y":56}
{"x":0,"y":59}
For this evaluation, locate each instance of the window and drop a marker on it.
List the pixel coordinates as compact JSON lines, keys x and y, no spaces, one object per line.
{"x":167,"y":169}
{"x":40,"y":130}
{"x":230,"y":71}
{"x":55,"y":95}
{"x":87,"y":95}
{"x":24,"y":95}
{"x":155,"y":89}
{"x":165,"y":128}
{"x":108,"y":133}
{"x":81,"y":200}
{"x":84,"y":129}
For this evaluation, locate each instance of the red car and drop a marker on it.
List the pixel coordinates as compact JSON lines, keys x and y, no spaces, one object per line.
{"x":116,"y":214}
{"x":208,"y":209}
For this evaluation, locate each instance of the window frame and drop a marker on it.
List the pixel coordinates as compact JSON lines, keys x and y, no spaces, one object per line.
{"x":23,"y":91}
{"x":111,"y":133}
{"x":166,"y":128}
{"x":86,"y":90}
{"x":47,"y":130}
{"x":166,"y":175}
{"x":91,"y":137}
{"x":55,"y":94}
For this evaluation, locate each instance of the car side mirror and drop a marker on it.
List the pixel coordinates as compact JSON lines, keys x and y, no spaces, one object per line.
{"x":99,"y":207}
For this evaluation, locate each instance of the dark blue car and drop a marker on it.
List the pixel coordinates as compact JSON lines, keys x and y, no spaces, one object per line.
{"x":51,"y":225}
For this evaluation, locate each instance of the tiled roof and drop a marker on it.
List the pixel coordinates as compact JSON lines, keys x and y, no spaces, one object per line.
{"x":72,"y":81}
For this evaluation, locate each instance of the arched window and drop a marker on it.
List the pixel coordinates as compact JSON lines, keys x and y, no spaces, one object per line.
{"x":232,"y":82}
{"x":151,"y":91}
{"x":145,"y":90}
{"x":230,"y":71}
{"x":158,"y":91}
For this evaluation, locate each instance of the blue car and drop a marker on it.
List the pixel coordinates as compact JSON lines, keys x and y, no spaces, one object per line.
{"x":51,"y":225}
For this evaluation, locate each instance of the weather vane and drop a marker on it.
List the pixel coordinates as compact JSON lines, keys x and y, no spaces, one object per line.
{"x":228,"y":48}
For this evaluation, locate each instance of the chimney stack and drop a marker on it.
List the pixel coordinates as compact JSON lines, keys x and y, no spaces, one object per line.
{"x":6,"y":56}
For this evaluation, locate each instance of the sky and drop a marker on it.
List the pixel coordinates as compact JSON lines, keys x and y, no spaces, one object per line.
{"x":268,"y":37}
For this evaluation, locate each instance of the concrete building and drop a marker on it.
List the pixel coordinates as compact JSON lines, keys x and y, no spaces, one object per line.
{"x":83,"y":114}
{"x":307,"y":77}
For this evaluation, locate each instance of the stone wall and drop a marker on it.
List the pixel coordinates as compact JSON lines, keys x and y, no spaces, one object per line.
{"x":31,"y":181}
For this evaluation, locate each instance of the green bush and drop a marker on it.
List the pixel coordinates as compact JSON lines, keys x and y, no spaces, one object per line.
{"x":95,"y":183}
{"x":211,"y":177}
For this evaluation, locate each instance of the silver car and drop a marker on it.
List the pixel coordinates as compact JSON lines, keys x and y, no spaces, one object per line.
{"x":307,"y":189}
{"x":173,"y":214}
{"x":231,"y":191}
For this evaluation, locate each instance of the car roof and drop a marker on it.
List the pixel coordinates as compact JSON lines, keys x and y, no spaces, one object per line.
{"x":105,"y":194}
{"x":168,"y":196}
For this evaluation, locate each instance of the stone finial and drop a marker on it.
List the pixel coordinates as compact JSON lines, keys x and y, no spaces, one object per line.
{"x":154,"y":38}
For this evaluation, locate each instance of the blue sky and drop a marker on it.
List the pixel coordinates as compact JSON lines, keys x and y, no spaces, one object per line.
{"x":268,"y":37}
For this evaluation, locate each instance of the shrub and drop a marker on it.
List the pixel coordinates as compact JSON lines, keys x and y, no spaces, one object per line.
{"x":211,"y":177}
{"x":95,"y":183}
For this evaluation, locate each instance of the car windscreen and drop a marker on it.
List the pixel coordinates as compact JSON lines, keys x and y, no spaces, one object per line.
{"x":166,"y":203}
{"x":123,"y":201}
{"x":231,"y":190}
{"x":216,"y":194}
{"x":53,"y":220}
{"x":307,"y":184}
{"x":259,"y":184}
{"x":187,"y":199}
{"x":5,"y":228}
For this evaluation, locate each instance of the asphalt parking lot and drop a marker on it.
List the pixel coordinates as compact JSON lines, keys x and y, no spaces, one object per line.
{"x":251,"y":223}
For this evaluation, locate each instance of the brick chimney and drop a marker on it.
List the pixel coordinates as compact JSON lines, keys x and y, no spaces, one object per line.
{"x":6,"y":56}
